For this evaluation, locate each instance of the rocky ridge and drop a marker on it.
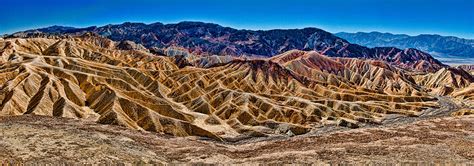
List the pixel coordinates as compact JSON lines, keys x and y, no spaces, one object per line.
{"x":211,"y":39}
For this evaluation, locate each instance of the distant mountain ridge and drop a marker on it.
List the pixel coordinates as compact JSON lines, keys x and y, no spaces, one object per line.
{"x":212,"y":39}
{"x":448,"y":45}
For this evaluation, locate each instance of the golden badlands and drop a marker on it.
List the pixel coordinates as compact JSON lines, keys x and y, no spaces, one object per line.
{"x":57,"y":93}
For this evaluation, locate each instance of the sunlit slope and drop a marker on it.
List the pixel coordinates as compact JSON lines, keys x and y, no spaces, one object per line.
{"x":93,"y":78}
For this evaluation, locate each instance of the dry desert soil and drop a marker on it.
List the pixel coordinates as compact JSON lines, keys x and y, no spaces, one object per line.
{"x":33,"y":139}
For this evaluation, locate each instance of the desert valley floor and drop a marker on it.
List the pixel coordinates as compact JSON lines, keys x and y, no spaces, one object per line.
{"x":41,"y":139}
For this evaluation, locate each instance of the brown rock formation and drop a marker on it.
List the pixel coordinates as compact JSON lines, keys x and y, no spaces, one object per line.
{"x":87,"y":77}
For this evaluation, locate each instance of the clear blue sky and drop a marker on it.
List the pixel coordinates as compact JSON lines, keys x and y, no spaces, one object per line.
{"x":445,"y":17}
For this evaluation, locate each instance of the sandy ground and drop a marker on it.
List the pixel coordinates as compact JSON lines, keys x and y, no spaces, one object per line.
{"x":38,"y":139}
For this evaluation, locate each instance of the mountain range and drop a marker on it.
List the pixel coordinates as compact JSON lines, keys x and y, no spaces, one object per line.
{"x":443,"y":46}
{"x":200,"y":38}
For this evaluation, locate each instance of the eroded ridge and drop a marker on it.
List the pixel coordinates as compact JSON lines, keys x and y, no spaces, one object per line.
{"x":96,"y":79}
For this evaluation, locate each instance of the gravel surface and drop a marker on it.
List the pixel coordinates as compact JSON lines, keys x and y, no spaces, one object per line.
{"x":38,"y":139}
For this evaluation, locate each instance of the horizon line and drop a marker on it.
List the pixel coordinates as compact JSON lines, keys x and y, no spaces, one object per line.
{"x":233,"y":27}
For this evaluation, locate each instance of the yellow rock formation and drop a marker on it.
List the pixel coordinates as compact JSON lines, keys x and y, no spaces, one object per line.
{"x":94,"y":79}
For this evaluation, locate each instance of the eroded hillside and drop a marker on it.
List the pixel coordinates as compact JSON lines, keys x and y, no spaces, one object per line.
{"x":92,"y":78}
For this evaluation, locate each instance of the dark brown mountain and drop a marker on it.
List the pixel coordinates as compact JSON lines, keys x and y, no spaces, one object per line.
{"x":212,"y":39}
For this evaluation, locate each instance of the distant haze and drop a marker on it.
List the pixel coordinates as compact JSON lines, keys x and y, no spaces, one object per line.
{"x":448,"y":49}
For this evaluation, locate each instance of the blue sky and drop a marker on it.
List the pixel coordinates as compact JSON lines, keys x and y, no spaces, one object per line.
{"x":445,"y":17}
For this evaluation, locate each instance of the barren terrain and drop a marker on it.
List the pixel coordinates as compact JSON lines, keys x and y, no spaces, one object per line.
{"x":40,"y":139}
{"x":89,"y":99}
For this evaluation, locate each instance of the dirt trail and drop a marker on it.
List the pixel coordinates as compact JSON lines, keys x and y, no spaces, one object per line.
{"x":446,"y":107}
